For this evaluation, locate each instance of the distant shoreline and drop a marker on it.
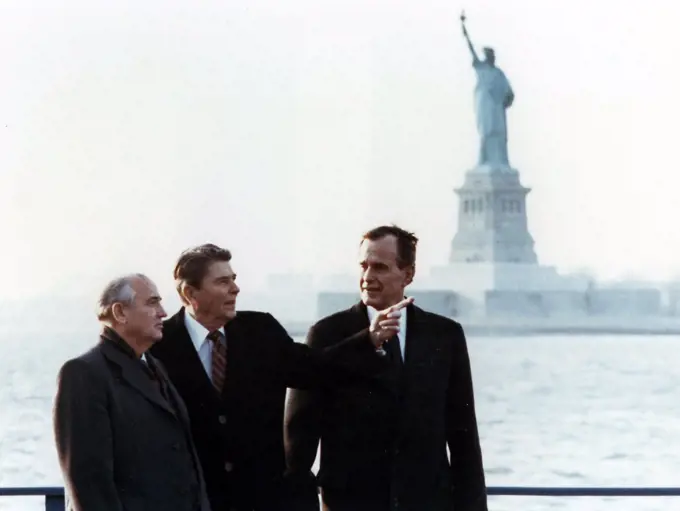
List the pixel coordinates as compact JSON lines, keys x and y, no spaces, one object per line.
{"x":487,"y":328}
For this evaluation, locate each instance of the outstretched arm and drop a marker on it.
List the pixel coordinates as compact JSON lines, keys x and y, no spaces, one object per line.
{"x":475,"y":58}
{"x":347,"y":360}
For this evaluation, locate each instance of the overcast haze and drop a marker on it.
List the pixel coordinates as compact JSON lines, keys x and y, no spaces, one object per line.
{"x":131,"y":130}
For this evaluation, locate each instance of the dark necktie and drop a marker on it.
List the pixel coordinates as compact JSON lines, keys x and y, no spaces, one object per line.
{"x":219,"y":359}
{"x":393,"y":351}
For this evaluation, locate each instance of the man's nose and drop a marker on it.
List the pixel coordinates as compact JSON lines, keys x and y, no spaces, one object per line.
{"x":162,"y":313}
{"x":368,"y":274}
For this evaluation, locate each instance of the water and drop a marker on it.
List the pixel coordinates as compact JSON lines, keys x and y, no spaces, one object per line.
{"x":559,"y":411}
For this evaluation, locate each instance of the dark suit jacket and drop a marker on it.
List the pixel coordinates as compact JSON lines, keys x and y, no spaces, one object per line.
{"x":239,"y":434}
{"x":382,"y":440}
{"x":121,"y":444}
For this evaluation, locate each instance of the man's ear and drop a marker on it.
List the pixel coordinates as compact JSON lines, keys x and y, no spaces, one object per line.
{"x":410,"y":274}
{"x":118,"y":313}
{"x":188,"y":294}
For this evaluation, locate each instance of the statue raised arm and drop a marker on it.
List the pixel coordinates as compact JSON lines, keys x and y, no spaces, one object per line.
{"x":467,"y":37}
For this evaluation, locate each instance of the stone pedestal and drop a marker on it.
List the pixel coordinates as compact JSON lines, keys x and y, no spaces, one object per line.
{"x":492,"y":219}
{"x":492,"y":250}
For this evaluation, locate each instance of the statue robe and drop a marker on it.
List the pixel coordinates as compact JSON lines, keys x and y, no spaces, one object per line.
{"x":492,"y":96}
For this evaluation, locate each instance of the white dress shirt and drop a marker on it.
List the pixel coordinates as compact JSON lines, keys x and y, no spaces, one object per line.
{"x":199,"y":338}
{"x":402,"y":328}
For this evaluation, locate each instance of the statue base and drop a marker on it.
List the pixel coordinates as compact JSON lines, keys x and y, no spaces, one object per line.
{"x":492,"y":218}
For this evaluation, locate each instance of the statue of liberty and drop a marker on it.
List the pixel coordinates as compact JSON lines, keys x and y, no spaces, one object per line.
{"x":493,"y":95}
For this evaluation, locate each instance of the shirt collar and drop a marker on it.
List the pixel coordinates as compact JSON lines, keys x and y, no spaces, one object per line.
{"x":197,"y":332}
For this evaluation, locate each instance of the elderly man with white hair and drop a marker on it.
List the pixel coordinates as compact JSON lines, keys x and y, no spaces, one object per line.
{"x":121,"y":429}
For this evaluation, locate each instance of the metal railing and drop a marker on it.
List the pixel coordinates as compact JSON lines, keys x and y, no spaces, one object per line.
{"x":54,"y":496}
{"x":582,"y":491}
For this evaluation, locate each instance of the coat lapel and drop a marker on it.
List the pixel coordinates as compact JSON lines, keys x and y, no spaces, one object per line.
{"x":421,"y":346}
{"x":361,"y":314}
{"x":183,"y":360}
{"x":418,"y":347}
{"x":133,"y":373}
{"x":236,"y":334}
{"x":177,"y":400}
{"x":417,"y":340}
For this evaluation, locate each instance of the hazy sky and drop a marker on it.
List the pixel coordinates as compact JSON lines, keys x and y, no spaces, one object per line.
{"x":130,"y":130}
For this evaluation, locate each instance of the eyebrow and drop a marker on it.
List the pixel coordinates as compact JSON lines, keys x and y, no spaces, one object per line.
{"x":364,"y":262}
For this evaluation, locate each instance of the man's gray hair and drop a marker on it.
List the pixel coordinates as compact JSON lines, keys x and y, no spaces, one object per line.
{"x":119,"y":290}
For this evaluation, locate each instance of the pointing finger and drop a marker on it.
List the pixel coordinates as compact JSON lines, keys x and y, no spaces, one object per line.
{"x":405,"y":302}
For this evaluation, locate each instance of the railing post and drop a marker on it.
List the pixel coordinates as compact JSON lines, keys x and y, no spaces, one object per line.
{"x":54,"y":503}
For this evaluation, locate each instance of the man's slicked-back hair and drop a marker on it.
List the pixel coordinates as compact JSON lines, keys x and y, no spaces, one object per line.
{"x":193,"y":264}
{"x":406,"y":242}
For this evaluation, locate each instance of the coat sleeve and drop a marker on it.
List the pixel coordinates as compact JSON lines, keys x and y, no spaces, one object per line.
{"x":467,"y":470}
{"x":321,"y":362}
{"x":83,"y":437}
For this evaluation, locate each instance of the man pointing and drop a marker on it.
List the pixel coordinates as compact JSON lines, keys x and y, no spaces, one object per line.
{"x":384,"y":439}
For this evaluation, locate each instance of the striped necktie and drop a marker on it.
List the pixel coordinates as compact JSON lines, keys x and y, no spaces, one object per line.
{"x":219,"y":359}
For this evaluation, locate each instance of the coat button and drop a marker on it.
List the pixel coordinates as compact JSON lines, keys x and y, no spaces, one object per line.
{"x":228,"y":466}
{"x":222,"y":419}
